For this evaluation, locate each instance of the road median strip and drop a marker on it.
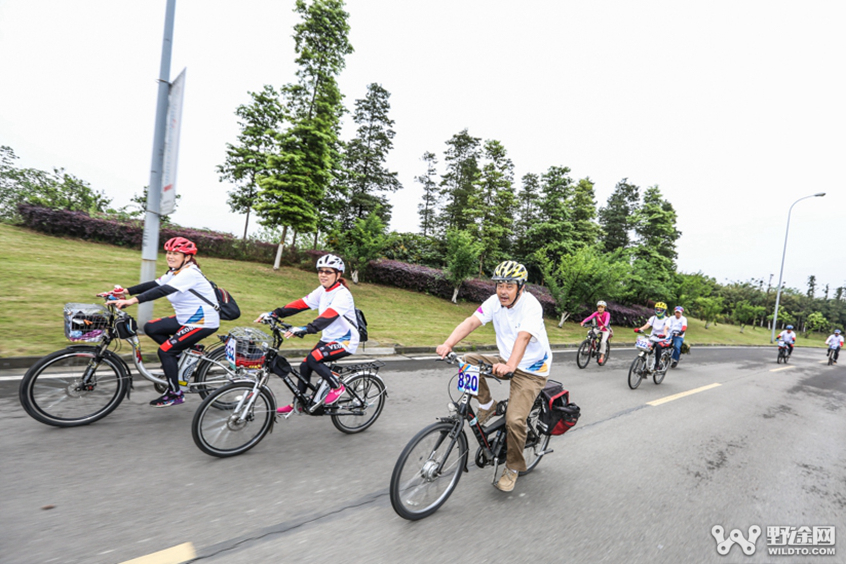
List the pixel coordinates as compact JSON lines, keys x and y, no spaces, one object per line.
{"x":681,"y":395}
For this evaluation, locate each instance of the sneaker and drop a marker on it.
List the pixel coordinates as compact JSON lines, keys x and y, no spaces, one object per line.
{"x":334,"y":394}
{"x":168,"y":399}
{"x":287,"y":409}
{"x":601,"y":359}
{"x":484,"y":414}
{"x":675,"y":363}
{"x":507,"y":480}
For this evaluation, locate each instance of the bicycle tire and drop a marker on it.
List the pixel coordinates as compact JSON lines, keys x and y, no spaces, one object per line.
{"x":49,"y":391}
{"x":583,"y":354}
{"x":535,"y":440}
{"x":220,"y":431}
{"x":409,"y":486}
{"x":210,"y":372}
{"x":636,"y":372}
{"x":658,"y":375}
{"x":780,"y":357}
{"x":369,"y":388}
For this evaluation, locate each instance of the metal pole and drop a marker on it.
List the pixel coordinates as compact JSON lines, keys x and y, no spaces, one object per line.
{"x":783,"y":253}
{"x":150,"y":245}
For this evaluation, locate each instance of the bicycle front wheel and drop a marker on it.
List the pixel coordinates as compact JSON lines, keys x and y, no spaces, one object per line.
{"x":428,"y":470}
{"x":355,"y":413}
{"x":68,"y":388}
{"x":228,"y":423}
{"x":583,"y":355}
{"x":536,"y":442}
{"x":636,"y":371}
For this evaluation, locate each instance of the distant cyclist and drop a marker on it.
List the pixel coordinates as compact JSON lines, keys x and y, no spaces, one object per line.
{"x":660,"y":325}
{"x":789,"y":338}
{"x":603,"y":322}
{"x":678,"y":325}
{"x":336,"y":320}
{"x":194,"y":318}
{"x":523,"y":349}
{"x":835,"y":342}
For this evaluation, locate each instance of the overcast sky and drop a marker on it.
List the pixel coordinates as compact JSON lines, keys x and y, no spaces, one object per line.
{"x":734,"y":108}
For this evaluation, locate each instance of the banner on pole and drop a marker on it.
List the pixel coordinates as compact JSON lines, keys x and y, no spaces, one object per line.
{"x":171,"y":149}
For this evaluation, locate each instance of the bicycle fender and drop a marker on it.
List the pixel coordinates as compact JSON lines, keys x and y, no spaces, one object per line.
{"x":272,"y":421}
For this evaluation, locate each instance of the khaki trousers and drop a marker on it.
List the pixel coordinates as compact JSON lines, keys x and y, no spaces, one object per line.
{"x":524,"y":388}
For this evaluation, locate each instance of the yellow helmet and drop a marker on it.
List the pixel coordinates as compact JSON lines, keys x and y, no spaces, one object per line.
{"x":510,"y":271}
{"x":661,"y":305}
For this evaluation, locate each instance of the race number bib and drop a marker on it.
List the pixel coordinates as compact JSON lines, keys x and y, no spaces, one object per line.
{"x":468,"y":379}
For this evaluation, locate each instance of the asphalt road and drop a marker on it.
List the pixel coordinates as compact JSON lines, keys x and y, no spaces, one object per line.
{"x":632,"y":482}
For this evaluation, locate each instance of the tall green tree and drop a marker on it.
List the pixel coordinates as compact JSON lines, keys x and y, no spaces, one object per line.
{"x":361,"y":244}
{"x":260,"y":122}
{"x":492,"y":204}
{"x":367,"y":177}
{"x":428,"y":208}
{"x":585,"y":230}
{"x":617,"y":217}
{"x":462,"y":257}
{"x":300,"y":173}
{"x":528,"y":200}
{"x":812,"y":285}
{"x":655,"y":224}
{"x":552,"y":228}
{"x":458,"y":182}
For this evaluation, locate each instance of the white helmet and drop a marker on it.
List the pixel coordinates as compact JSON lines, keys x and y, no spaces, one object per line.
{"x":330,"y":261}
{"x":601,"y":303}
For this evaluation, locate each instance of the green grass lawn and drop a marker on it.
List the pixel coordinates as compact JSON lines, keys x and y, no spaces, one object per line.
{"x":40,"y":273}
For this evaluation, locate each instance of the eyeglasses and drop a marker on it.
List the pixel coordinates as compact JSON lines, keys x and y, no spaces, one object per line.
{"x":506,"y":285}
{"x":326,"y":271}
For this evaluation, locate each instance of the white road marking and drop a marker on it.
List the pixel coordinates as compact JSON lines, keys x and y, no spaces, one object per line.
{"x":780,"y":369}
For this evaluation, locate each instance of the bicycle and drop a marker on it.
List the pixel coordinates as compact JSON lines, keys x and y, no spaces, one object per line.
{"x":783,"y":353}
{"x":236,"y":417}
{"x":590,"y":347}
{"x":833,"y":353}
{"x":643,"y":364}
{"x":430,"y":466}
{"x":84,"y":383}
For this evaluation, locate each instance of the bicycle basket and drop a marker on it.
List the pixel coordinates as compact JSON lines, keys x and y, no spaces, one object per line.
{"x":244,"y":347}
{"x":86,"y":323}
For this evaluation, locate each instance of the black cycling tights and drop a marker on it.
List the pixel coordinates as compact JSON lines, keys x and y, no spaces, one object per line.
{"x":173,"y":338}
{"x":321,"y":353}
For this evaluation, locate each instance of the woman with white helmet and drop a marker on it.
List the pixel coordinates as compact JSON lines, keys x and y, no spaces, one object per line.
{"x":603,"y":321}
{"x":336,"y":321}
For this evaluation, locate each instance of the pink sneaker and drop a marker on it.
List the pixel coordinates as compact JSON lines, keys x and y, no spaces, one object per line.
{"x":286,"y":409}
{"x":333,"y":395}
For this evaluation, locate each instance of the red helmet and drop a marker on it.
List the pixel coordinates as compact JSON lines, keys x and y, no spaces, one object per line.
{"x":181,"y":245}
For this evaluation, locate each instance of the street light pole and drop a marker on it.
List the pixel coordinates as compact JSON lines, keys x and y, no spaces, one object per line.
{"x":783,"y":253}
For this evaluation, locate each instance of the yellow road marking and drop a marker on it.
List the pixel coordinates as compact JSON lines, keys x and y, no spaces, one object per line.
{"x":172,"y":555}
{"x":782,"y":368}
{"x":681,"y":395}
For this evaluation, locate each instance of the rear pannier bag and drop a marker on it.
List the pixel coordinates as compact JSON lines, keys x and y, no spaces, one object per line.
{"x":558,"y":415}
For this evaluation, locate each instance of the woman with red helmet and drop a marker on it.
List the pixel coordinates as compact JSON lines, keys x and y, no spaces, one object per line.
{"x":193,"y":320}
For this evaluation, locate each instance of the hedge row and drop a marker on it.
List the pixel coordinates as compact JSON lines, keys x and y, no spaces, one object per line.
{"x":130,"y":234}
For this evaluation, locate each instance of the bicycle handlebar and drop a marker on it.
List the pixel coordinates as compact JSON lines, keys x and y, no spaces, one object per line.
{"x":484,"y":369}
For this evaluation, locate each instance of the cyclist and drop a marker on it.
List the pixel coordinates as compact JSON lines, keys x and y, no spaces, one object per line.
{"x":194,"y":318}
{"x":789,"y":338}
{"x":677,"y":327}
{"x":339,"y":338}
{"x":660,"y":324}
{"x":834,"y":343}
{"x":523,"y":350}
{"x":603,"y":321}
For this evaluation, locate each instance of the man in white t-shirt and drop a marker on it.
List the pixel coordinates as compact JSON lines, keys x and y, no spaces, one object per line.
{"x":677,"y":328}
{"x":523,"y":350}
{"x":834,"y":342}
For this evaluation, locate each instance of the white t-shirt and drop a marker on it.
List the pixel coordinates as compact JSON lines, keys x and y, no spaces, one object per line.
{"x":677,"y":324}
{"x":343,"y":329}
{"x":659,"y":326}
{"x":834,"y":341}
{"x":191,"y":310}
{"x":788,"y":338}
{"x":525,"y":316}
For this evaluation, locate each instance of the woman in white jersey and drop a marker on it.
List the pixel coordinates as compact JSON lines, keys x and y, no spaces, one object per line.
{"x":194,"y":319}
{"x":660,"y":324}
{"x":336,"y":319}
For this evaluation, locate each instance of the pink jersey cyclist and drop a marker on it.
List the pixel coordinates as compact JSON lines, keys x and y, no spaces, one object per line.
{"x":603,"y":320}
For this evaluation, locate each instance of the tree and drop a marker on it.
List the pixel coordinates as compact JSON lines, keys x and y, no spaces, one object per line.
{"x":582,"y":278}
{"x":307,"y":158}
{"x":816,"y":322}
{"x":617,"y":217}
{"x":528,"y":199}
{"x":654,"y":222}
{"x":462,"y":256}
{"x":585,"y":230}
{"x":458,"y":183}
{"x":492,"y":203}
{"x":812,"y":286}
{"x":361,"y":244}
{"x":745,"y":313}
{"x":365,"y":172}
{"x":428,"y":208}
{"x":552,"y":229}
{"x":260,"y":122}
{"x":709,"y":309}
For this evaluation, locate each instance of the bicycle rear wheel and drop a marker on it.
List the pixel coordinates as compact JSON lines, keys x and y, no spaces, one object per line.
{"x":62,"y":390}
{"x":209,"y":374}
{"x":428,"y":470}
{"x":583,"y":355}
{"x":536,"y":442}
{"x":224,"y":427}
{"x":353,"y":415}
{"x":607,"y":354}
{"x":636,"y":371}
{"x":658,"y":375}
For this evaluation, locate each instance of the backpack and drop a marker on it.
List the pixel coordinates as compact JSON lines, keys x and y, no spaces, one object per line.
{"x":361,"y":323}
{"x":225,"y":306}
{"x":558,"y":415}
